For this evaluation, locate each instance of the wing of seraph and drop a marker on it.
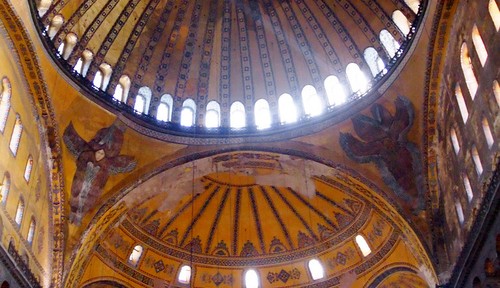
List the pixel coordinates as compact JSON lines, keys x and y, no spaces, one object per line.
{"x":122,"y":164}
{"x":73,"y":141}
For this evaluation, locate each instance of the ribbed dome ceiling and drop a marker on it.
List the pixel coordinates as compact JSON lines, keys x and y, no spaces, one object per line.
{"x":225,"y":51}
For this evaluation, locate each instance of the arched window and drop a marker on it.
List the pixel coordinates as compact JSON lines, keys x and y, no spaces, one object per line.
{"x":390,"y":44}
{"x":251,"y":279}
{"x":15,"y":138}
{"x":5,"y":188}
{"x":68,"y":45}
{"x":142,"y":100}
{"x":477,"y":161}
{"x":461,"y":103}
{"x":42,"y":9}
{"x":122,"y":89}
{"x":212,"y":118}
{"x":60,"y":49}
{"x":135,"y":255}
{"x":106,"y":70}
{"x":335,"y":91}
{"x":262,"y":114}
{"x":98,"y":79}
{"x":5,"y":102}
{"x":374,"y":61}
{"x":413,"y":4}
{"x":55,"y":24}
{"x":357,"y":79}
{"x":237,"y":115}
{"x":78,"y":66}
{"x":487,"y":132}
{"x":19,"y":212}
{"x":477,"y":40}
{"x":31,"y":231}
{"x":494,"y":13}
{"x":188,"y":113}
{"x":28,"y":168}
{"x":310,"y":100}
{"x":454,"y":140}
{"x":164,"y":112}
{"x":470,"y":78}
{"x":460,"y":212}
{"x":401,"y":22}
{"x":118,"y":92}
{"x":363,"y":245}
{"x":316,"y":269}
{"x":468,"y":188}
{"x":288,"y":112}
{"x":185,"y":275}
{"x":87,"y":57}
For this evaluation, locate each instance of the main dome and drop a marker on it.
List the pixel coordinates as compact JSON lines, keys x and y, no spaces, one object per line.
{"x":239,"y":67}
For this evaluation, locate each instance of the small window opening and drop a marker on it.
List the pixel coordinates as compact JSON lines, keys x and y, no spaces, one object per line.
{"x":135,"y":256}
{"x":5,"y":188}
{"x":188,"y":113}
{"x":310,"y":100}
{"x":401,"y":22}
{"x":19,"y":212}
{"x":185,"y":275}
{"x":468,"y":187}
{"x":477,"y":40}
{"x":363,"y":245}
{"x":251,"y":279}
{"x":212,"y":118}
{"x":494,"y":13}
{"x":357,"y":79}
{"x":390,"y":44}
{"x":477,"y":161}
{"x":316,"y":269}
{"x":28,"y":168}
{"x":16,"y":135}
{"x":496,"y":92}
{"x":288,"y":112}
{"x":454,"y":140}
{"x":335,"y":91}
{"x":98,"y":79}
{"x":164,"y":112}
{"x":413,"y":4}
{"x":31,"y":232}
{"x":461,"y":103}
{"x":460,"y":213}
{"x":470,"y":77}
{"x":237,"y":115}
{"x":262,"y":114}
{"x":5,"y":95}
{"x":374,"y":61}
{"x":140,"y":103}
{"x":487,"y":133}
{"x":118,"y":95}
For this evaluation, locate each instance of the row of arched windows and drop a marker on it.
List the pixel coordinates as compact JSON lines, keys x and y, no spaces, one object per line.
{"x":311,"y":103}
{"x":472,"y":85}
{"x":251,"y":277}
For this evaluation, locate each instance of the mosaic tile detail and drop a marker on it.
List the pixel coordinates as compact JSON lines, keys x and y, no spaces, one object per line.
{"x":283,"y":276}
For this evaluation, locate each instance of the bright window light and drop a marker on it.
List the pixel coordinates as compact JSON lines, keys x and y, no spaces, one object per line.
{"x":185,"y":275}
{"x":310,"y":100}
{"x":316,"y":269}
{"x":140,"y":104}
{"x":262,"y":114}
{"x":288,"y":112}
{"x":251,"y":279}
{"x":135,"y":255}
{"x":237,"y":115}
{"x":363,"y":245}
{"x":357,"y":78}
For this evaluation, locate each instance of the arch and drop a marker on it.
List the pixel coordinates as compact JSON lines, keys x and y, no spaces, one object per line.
{"x":19,"y":212}
{"x":122,"y":89}
{"x":164,"y":112}
{"x":98,"y":78}
{"x":316,"y":269}
{"x":413,"y":4}
{"x":357,"y":79}
{"x":476,"y":283}
{"x":68,"y":45}
{"x":184,"y":276}
{"x":487,"y":132}
{"x":262,"y":114}
{"x":287,"y":109}
{"x":363,"y":245}
{"x":374,"y":61}
{"x":251,"y":279}
{"x":5,"y":284}
{"x":212,"y":118}
{"x":87,"y":57}
{"x":142,"y":100}
{"x":28,"y":168}
{"x":188,"y":113}
{"x":5,"y":187}
{"x":401,"y":22}
{"x":470,"y":77}
{"x":135,"y":255}
{"x":462,"y":106}
{"x":494,"y":13}
{"x":477,"y":160}
{"x":237,"y":115}
{"x":5,"y":95}
{"x":106,"y":70}
{"x":31,"y":231}
{"x":335,"y":91}
{"x":477,"y":40}
{"x":311,"y":101}
{"x":390,"y":44}
{"x":15,"y":138}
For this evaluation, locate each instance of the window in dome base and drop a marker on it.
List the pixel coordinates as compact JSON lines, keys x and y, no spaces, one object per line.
{"x":487,"y":133}
{"x":262,"y":114}
{"x":237,"y":115}
{"x":16,"y":135}
{"x":334,"y":90}
{"x":477,"y":40}
{"x":251,"y":279}
{"x":19,"y":212}
{"x":401,"y":22}
{"x":135,"y":256}
{"x":288,"y":112}
{"x":28,"y":168}
{"x":5,"y":188}
{"x":142,"y":100}
{"x":185,"y":275}
{"x":454,"y":140}
{"x":316,"y":269}
{"x":468,"y":187}
{"x":188,"y":113}
{"x":413,"y":4}
{"x":31,"y":232}
{"x":374,"y":61}
{"x":494,"y":13}
{"x":460,"y":213}
{"x":4,"y":103}
{"x":467,"y":69}
{"x":390,"y":44}
{"x":363,"y":245}
{"x":164,"y":112}
{"x":461,"y":103}
{"x":477,"y":161}
{"x":212,"y":118}
{"x":98,"y":79}
{"x":357,"y":79}
{"x":310,"y":100}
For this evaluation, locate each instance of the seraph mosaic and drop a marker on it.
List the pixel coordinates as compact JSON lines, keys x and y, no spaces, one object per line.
{"x":382,"y":139}
{"x":96,"y":160}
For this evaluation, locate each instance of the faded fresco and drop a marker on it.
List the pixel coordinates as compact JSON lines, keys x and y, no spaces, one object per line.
{"x":96,"y":160}
{"x":382,"y":139}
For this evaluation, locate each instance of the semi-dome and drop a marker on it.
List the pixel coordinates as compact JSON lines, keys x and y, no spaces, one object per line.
{"x":239,"y":67}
